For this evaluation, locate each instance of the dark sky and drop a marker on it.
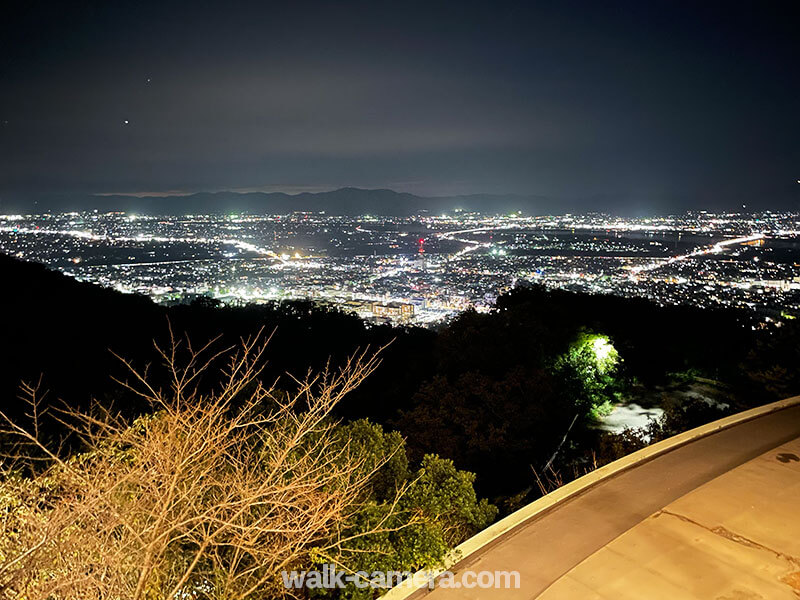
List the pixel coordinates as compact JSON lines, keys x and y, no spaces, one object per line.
{"x":637,"y":105}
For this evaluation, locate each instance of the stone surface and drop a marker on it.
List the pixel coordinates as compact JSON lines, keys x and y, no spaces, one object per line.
{"x":736,"y":537}
{"x":669,"y":527}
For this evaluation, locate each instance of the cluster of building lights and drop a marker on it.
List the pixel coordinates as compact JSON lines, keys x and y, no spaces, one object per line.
{"x":424,"y":268}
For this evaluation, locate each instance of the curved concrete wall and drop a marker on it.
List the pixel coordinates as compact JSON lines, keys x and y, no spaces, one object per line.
{"x":482,"y":541}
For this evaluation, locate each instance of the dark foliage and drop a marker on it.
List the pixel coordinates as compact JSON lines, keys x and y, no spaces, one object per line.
{"x":481,"y":390}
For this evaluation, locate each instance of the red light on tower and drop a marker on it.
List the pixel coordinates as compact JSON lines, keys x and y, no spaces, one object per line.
{"x":421,"y":242}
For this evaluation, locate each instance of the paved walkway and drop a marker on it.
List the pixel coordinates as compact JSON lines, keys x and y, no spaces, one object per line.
{"x":734,"y":538}
{"x":558,"y":542}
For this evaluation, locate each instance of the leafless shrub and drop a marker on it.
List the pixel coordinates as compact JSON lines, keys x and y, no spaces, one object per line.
{"x":210,"y":496}
{"x":551,"y":479}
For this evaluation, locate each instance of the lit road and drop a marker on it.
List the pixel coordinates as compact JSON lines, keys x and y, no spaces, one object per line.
{"x":86,"y":235}
{"x":717,"y":248}
{"x":472,"y":245}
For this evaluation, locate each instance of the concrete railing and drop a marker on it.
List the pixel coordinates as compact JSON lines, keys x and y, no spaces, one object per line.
{"x":476,"y":545}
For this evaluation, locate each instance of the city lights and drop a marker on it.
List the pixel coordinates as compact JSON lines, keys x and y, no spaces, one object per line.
{"x":424,"y":269}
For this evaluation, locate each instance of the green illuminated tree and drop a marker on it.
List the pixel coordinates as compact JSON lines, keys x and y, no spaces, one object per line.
{"x":589,"y":370}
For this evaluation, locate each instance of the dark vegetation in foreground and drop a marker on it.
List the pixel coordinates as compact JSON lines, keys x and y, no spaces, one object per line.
{"x":218,"y":493}
{"x":496,"y":393}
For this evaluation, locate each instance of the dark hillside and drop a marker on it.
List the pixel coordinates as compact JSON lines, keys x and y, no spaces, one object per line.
{"x":495,"y":392}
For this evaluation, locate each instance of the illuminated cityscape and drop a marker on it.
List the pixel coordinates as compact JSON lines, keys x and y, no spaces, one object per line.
{"x":423,"y":269}
{"x":400,"y":300}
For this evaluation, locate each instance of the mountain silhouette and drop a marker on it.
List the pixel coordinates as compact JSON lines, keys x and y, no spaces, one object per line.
{"x":344,"y":201}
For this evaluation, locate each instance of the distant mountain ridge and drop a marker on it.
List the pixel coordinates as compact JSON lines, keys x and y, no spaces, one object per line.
{"x":343,"y":201}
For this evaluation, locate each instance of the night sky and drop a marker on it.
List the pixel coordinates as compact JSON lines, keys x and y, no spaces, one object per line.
{"x":618,"y":106}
